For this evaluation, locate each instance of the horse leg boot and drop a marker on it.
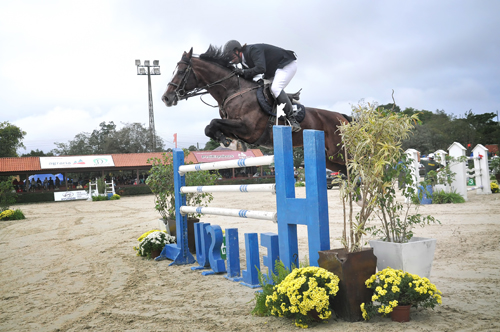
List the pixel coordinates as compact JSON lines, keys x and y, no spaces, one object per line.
{"x":283,"y":99}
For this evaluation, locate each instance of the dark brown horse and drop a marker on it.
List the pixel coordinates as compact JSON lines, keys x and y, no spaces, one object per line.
{"x":241,"y":116}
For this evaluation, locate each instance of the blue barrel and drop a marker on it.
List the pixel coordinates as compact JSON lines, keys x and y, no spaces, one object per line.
{"x":425,"y":197}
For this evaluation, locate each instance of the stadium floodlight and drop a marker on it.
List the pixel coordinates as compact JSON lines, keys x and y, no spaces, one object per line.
{"x":146,"y":69}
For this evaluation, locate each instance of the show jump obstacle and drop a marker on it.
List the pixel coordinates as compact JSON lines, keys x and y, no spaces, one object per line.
{"x":480,"y":171}
{"x":311,"y":211}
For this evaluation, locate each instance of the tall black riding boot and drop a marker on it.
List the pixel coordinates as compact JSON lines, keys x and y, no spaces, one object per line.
{"x":283,"y":99}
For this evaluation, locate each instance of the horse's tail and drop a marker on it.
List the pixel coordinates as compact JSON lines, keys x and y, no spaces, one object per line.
{"x":347,"y":117}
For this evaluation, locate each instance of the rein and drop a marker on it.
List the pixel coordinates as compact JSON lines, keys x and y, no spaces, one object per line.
{"x":180,"y":90}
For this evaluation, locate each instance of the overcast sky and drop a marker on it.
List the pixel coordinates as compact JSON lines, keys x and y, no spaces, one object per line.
{"x":66,"y":66}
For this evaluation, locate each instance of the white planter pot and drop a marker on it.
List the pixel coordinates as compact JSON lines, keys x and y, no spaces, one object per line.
{"x":442,"y":187}
{"x":414,"y":257}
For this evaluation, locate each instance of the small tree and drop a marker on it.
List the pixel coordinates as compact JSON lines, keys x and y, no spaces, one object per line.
{"x":7,"y":193}
{"x":101,"y":185}
{"x":161,"y":183}
{"x":372,"y":142}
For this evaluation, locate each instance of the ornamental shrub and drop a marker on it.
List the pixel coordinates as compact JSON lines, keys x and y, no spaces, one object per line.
{"x":115,"y":197}
{"x":304,"y":295}
{"x":395,"y":287}
{"x":441,"y":197}
{"x":12,"y":215}
{"x":494,"y":187}
{"x":151,"y":241}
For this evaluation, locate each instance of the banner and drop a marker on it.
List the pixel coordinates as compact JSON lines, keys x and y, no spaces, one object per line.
{"x":211,"y":156}
{"x":70,"y":195}
{"x":76,"y":162}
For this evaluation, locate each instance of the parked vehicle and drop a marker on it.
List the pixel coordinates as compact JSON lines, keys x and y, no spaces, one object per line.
{"x":333,"y":178}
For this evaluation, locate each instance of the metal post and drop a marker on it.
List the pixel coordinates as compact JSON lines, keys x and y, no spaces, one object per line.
{"x":151,"y":113}
{"x":151,"y":70}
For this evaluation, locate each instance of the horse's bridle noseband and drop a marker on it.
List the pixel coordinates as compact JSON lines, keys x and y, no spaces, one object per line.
{"x":180,"y":90}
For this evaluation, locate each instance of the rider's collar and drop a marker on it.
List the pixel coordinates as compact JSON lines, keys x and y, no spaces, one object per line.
{"x":243,"y":60}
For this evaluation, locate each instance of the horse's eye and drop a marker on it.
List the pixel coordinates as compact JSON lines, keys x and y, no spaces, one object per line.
{"x":181,"y":72}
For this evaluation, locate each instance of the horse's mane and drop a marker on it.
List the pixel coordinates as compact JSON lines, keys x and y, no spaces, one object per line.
{"x":216,"y":54}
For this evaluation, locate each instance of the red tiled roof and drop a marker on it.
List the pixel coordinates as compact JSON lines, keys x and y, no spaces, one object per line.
{"x":129,"y":160}
{"x":20,"y":164}
{"x":134,"y":159}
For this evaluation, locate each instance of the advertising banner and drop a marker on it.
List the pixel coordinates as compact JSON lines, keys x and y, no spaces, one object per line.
{"x":212,"y":156}
{"x":70,"y":195}
{"x":76,"y":161}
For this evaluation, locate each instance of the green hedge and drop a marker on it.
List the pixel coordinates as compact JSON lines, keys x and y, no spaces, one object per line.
{"x":49,"y":196}
{"x":133,"y":190}
{"x":35,"y":197}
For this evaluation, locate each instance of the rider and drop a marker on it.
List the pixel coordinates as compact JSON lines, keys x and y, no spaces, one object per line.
{"x":275,"y":63}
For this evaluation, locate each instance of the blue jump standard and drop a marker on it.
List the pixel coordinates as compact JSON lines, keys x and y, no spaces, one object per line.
{"x":311,"y":211}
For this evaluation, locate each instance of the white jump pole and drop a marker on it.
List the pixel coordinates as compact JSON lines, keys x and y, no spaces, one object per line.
{"x":263,"y":215}
{"x":244,"y":188}
{"x":247,"y":162}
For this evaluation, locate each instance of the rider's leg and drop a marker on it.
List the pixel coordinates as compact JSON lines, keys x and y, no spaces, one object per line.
{"x":282,"y":77}
{"x":283,"y":99}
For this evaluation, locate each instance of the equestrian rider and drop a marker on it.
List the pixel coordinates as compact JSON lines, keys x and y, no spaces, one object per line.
{"x":275,"y":63}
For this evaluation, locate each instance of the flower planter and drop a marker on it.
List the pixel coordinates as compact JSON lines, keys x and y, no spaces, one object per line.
{"x":415,"y":256}
{"x":155,"y":253}
{"x":425,"y":196}
{"x":170,"y":225}
{"x":441,"y":187}
{"x":401,"y":313}
{"x":353,"y":269}
{"x":191,"y":241}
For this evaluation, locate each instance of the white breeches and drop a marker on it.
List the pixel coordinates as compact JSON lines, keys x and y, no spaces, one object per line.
{"x":282,"y":77}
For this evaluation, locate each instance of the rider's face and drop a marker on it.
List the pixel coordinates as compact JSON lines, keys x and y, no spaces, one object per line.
{"x":236,"y":57}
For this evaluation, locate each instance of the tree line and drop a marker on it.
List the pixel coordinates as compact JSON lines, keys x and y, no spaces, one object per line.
{"x":435,"y":130}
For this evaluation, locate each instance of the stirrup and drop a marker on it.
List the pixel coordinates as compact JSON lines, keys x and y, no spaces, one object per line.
{"x":294,"y":124}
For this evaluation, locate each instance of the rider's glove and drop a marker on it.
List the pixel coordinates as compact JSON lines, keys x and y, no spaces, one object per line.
{"x":238,"y":71}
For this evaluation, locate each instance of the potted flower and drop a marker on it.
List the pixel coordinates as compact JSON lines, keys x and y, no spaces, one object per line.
{"x":152,"y":243}
{"x":161,"y":183}
{"x":304,"y":295}
{"x":395,"y":292}
{"x":396,"y":246}
{"x":371,"y":142}
{"x":495,"y":167}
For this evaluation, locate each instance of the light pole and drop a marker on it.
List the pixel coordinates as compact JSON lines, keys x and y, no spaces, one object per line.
{"x":151,"y":70}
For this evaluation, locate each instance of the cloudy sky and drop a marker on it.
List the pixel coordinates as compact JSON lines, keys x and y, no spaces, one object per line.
{"x":66,"y":66}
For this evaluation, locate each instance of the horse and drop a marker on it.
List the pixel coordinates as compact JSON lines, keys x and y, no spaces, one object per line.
{"x":241,"y":115}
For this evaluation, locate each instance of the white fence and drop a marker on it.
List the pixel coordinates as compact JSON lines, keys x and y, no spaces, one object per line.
{"x":459,"y":184}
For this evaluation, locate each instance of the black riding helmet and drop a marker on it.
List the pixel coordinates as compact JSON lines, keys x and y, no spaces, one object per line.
{"x":231,"y":46}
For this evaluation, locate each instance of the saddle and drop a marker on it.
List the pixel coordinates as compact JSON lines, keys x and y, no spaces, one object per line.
{"x":268,"y":103}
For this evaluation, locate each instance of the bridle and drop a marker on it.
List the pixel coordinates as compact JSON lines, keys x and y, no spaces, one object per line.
{"x":180,"y":89}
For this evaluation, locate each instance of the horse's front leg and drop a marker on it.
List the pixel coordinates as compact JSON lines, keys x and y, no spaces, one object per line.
{"x":220,"y":129}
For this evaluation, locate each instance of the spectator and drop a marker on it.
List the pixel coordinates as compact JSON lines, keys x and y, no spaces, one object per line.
{"x":33,"y":184}
{"x":58,"y":183}
{"x":51,"y":183}
{"x":45,"y":184}
{"x":39,"y":184}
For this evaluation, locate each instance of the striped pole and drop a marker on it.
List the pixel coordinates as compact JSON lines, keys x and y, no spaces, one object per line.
{"x":245,"y":188}
{"x":263,"y":215}
{"x":247,"y":162}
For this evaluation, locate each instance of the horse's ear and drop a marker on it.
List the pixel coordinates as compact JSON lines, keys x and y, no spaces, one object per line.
{"x":190,"y":54}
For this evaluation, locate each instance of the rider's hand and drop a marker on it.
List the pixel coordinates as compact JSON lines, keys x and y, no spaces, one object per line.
{"x":238,"y":71}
